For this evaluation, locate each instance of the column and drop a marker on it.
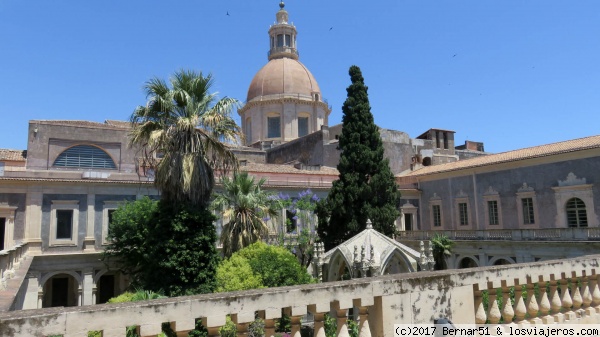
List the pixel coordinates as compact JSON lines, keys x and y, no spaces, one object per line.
{"x":363,"y":328}
{"x":31,"y":295}
{"x":295,"y":326}
{"x":270,"y":328}
{"x":88,"y":242}
{"x":33,"y":219}
{"x":88,"y":286}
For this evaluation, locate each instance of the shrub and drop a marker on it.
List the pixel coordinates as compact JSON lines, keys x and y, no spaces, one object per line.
{"x":165,"y":247}
{"x":235,"y":273}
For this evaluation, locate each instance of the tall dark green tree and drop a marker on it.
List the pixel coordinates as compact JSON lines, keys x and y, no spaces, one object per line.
{"x":366,"y":188}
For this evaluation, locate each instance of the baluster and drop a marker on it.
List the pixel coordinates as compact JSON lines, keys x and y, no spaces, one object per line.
{"x":532,"y":304}
{"x":544,"y":304}
{"x":595,"y":291}
{"x":480,"y":315}
{"x":507,"y":309}
{"x":295,"y":326}
{"x":586,"y":295}
{"x":270,"y":327}
{"x":520,"y":309}
{"x":555,"y":303}
{"x":567,"y":301}
{"x":576,"y":293}
{"x":342,"y":325}
{"x":319,"y":324}
{"x":493,"y":311}
{"x":364,"y":329}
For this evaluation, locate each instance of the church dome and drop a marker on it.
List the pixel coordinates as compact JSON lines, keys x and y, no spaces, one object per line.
{"x":285,"y":77}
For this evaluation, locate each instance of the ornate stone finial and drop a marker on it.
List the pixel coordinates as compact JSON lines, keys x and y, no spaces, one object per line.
{"x":362,"y":253}
{"x":372,"y":256}
{"x":369,"y":224}
{"x":355,"y":254}
{"x":281,"y":5}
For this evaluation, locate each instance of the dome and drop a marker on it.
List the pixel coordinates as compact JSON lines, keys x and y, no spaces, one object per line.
{"x":284,"y":76}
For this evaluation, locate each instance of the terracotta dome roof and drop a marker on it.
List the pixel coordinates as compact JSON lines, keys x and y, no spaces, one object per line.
{"x":283,"y":76}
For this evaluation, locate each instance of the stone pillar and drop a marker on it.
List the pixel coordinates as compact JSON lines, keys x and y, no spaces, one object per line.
{"x":88,"y":286}
{"x":33,"y":219}
{"x":31,"y":296}
{"x":213,"y":324}
{"x":89,"y":240}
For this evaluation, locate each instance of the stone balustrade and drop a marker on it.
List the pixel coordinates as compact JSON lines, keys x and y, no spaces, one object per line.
{"x":544,"y":234}
{"x":10,"y":260}
{"x":567,"y":292}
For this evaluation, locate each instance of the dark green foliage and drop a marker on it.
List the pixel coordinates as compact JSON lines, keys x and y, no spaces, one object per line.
{"x":199,"y":330}
{"x":165,"y":248}
{"x":256,"y":328}
{"x":366,"y":188}
{"x":284,"y":324}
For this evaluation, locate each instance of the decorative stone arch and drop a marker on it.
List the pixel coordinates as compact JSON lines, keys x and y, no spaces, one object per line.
{"x":460,"y":258}
{"x":336,"y":265}
{"x":496,"y":259}
{"x":73,"y":295}
{"x":396,"y":258}
{"x":573,"y":187}
{"x":46,"y":277}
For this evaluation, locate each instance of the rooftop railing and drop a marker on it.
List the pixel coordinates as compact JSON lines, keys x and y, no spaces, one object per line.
{"x":544,"y":234}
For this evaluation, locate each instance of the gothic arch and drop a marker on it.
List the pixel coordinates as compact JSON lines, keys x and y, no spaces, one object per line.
{"x":336,"y":266}
{"x":397,"y":258}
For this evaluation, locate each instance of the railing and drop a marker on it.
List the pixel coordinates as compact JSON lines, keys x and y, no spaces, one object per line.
{"x":287,"y":50}
{"x":378,"y":302}
{"x":546,"y":234}
{"x":10,"y":260}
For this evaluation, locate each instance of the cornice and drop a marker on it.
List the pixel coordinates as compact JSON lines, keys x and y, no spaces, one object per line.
{"x":255,"y":103}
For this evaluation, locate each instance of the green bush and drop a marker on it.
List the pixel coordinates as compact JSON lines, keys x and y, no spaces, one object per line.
{"x":229,"y":329}
{"x":235,"y":273}
{"x":164,"y":247}
{"x":276,"y":265}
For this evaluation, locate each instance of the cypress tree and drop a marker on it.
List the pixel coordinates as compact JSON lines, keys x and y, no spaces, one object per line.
{"x":366,"y":188}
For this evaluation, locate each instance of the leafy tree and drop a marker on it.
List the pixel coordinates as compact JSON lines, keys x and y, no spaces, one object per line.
{"x":164,"y":247}
{"x":442,"y":247}
{"x":247,"y":207}
{"x":366,"y":188}
{"x":235,"y":273}
{"x":185,"y":124}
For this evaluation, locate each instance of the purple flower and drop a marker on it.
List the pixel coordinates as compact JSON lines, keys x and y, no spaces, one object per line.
{"x":283,"y":196}
{"x":295,"y":217}
{"x":315,"y":198}
{"x":266,"y":219}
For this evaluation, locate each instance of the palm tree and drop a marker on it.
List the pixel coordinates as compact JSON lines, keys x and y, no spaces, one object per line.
{"x":442,"y":247}
{"x":247,"y":207}
{"x":193,"y":132}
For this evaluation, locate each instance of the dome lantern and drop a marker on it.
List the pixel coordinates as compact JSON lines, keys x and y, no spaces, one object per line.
{"x":282,"y":36}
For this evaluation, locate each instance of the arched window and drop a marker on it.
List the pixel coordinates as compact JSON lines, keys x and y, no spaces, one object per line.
{"x":85,"y":156}
{"x":576,"y":213}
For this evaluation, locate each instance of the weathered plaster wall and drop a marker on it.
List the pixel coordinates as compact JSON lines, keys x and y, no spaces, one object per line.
{"x":16,"y":200}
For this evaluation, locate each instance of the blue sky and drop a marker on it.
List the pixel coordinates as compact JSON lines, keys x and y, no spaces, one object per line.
{"x":510,"y":73}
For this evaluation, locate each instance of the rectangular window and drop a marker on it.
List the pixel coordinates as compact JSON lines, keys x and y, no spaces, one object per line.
{"x":288,"y":40}
{"x":493,"y":212}
{"x":273,"y":127}
{"x":302,"y":126}
{"x":437,"y":216}
{"x":64,"y":224}
{"x":462,"y":213}
{"x":528,"y":216}
{"x":280,"y":40}
{"x":446,"y":140}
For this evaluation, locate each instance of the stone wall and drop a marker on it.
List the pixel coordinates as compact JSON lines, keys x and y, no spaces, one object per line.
{"x":381,"y":302}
